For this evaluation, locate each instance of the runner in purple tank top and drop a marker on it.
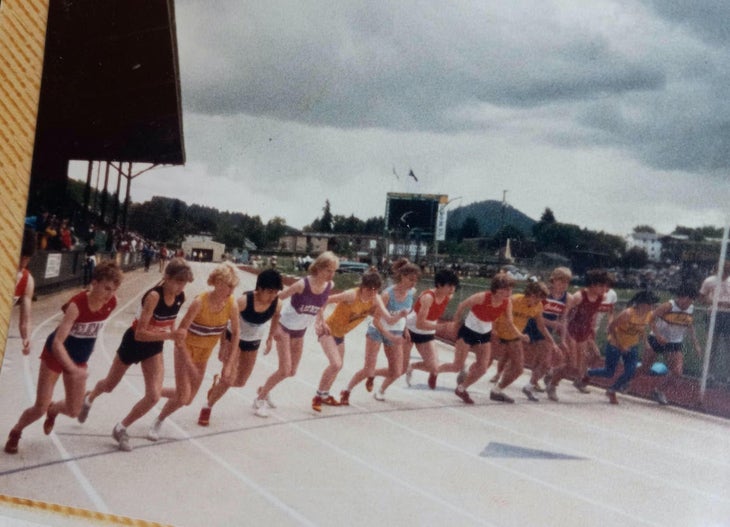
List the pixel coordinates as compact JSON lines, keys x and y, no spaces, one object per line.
{"x":307,"y":298}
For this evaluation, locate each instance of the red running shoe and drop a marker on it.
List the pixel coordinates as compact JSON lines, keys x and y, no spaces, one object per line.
{"x":317,"y":403}
{"x":464,"y":396}
{"x":369,"y":383}
{"x":611,"y":397}
{"x":330,"y":401}
{"x":49,"y":422}
{"x":11,"y":446}
{"x":204,"y":419}
{"x":345,"y":398}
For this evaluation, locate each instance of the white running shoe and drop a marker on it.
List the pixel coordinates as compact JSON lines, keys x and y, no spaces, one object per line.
{"x":660,"y":397}
{"x":154,"y":432}
{"x":261,"y":407}
{"x":119,"y":433}
{"x":268,"y":399}
{"x":378,"y":395}
{"x":85,"y":407}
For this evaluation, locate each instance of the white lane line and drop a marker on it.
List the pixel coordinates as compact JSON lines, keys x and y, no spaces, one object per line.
{"x":73,"y":466}
{"x":471,"y":455}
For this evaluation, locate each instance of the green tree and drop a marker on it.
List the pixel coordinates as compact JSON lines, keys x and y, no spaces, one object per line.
{"x":635,"y":258}
{"x":645,"y":228}
{"x":469,"y":229}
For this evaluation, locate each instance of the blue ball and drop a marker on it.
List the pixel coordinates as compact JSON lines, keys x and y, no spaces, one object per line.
{"x":659,"y":368}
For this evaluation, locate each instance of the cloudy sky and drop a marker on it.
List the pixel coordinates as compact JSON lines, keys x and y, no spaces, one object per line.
{"x":611,"y":113}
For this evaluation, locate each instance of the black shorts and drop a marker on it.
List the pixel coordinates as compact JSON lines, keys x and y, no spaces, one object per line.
{"x":421,"y":338}
{"x":132,"y":351}
{"x":473,"y":338}
{"x":669,"y":347}
{"x":244,"y":345}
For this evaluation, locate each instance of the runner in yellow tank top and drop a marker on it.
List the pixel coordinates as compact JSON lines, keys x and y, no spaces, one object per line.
{"x":352,"y":307}
{"x":625,"y":333}
{"x":201,"y":329}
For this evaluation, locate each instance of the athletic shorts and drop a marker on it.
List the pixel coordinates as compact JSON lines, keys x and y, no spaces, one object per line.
{"x":338,"y":340}
{"x":377,"y":336}
{"x":132,"y":351}
{"x":471,"y":337}
{"x":200,"y":354}
{"x":294,"y":333}
{"x":532,"y":331}
{"x":669,"y":347}
{"x":422,"y":338}
{"x":245,"y":345}
{"x":53,"y":364}
{"x":507,"y":341}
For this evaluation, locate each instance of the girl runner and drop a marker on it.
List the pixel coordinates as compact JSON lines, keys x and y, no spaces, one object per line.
{"x":255,"y":308}
{"x":396,"y":298}
{"x":143,"y":343}
{"x":200,"y":331}
{"x":307,"y":297}
{"x":67,"y":351}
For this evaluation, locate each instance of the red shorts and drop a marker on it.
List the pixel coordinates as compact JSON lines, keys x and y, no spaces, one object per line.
{"x":53,"y":364}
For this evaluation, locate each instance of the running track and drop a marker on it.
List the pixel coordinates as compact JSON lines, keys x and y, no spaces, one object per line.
{"x":421,"y":458}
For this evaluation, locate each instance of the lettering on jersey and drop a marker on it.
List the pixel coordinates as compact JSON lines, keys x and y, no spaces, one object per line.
{"x":86,"y":330}
{"x":677,"y":318}
{"x":308,"y":309}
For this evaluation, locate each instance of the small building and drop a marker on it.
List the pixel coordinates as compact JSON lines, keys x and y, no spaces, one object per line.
{"x":202,"y":248}
{"x":649,"y":241}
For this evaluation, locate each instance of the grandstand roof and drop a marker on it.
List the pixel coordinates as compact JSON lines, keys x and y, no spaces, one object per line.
{"x":111,"y":88}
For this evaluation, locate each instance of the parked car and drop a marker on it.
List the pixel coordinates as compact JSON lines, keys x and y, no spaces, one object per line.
{"x":347,"y":266}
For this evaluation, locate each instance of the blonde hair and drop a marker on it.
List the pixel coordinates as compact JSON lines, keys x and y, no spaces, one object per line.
{"x":561,"y":273}
{"x":223,"y":273}
{"x":322,"y":261}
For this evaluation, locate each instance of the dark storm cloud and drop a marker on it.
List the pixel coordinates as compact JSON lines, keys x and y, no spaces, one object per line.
{"x":707,"y":19}
{"x":402,"y":66}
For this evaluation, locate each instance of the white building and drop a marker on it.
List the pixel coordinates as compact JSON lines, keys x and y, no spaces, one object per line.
{"x":202,"y":248}
{"x":649,"y":241}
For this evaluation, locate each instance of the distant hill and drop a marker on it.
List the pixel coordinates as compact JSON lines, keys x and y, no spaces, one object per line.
{"x":489,"y":215}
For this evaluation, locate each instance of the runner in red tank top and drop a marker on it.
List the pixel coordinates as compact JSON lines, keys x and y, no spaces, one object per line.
{"x":581,"y":311}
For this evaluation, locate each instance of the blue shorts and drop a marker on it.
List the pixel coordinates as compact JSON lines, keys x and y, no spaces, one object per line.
{"x":373,"y":334}
{"x":532,"y":331}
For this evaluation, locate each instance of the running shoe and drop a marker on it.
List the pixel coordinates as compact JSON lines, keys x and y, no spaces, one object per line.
{"x":345,"y":397}
{"x":580,"y":386}
{"x":539,"y":388}
{"x":432,"y":380}
{"x":494,"y":379}
{"x":121,"y":437}
{"x":330,"y":401}
{"x":261,"y":407}
{"x":500,"y":397}
{"x":268,"y":399}
{"x":660,"y":397}
{"x":527,"y":390}
{"x":611,"y":396}
{"x":85,"y":407}
{"x":378,"y":395}
{"x":369,"y":383}
{"x":464,"y":396}
{"x":154,"y":432}
{"x":11,"y":446}
{"x":551,"y":391}
{"x":204,"y":418}
{"x":409,"y":375}
{"x":317,"y":403}
{"x":49,"y":422}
